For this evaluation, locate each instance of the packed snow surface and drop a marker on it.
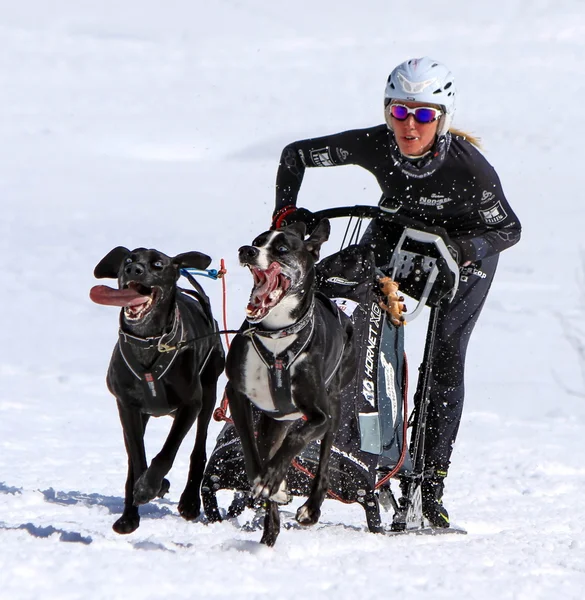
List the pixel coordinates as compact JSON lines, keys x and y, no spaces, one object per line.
{"x":126,"y":123}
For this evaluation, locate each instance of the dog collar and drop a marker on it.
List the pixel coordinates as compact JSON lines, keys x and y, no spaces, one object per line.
{"x":164,"y":343}
{"x":277,"y":334}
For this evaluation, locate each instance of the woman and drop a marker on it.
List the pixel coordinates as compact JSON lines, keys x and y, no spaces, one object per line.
{"x":435,"y":175}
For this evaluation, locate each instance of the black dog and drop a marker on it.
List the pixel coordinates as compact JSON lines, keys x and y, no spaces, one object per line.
{"x":166,"y":362}
{"x":290,"y":360}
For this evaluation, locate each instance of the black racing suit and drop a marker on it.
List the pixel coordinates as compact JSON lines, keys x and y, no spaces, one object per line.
{"x":459,"y":191}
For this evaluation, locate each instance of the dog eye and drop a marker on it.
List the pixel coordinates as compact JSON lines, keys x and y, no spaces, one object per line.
{"x":282,"y":249}
{"x":128,"y":261}
{"x":157,"y":264}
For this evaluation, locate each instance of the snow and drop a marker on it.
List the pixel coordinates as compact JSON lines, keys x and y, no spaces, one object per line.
{"x":125,"y":123}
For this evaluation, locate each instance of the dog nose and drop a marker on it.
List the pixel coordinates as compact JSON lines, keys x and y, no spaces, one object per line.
{"x":134,"y":269}
{"x":247,"y":253}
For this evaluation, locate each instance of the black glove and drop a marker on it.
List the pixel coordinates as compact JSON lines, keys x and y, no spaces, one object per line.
{"x":291,"y":214}
{"x":455,"y":250}
{"x":462,"y":251}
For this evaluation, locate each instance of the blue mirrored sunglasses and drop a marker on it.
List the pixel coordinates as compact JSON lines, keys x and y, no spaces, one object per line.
{"x":422,"y":114}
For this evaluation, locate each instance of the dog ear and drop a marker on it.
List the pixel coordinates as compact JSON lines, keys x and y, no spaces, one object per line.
{"x":318,"y":237}
{"x":109,"y":265}
{"x":192,"y":260}
{"x":299,"y":229}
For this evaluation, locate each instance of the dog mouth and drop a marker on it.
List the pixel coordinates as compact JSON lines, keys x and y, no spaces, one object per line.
{"x":270,"y":285}
{"x":136,"y":299}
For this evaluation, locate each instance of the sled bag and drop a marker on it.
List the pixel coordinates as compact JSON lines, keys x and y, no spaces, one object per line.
{"x":372,"y":406}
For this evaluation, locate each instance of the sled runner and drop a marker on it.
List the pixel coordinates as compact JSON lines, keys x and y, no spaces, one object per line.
{"x":370,"y":447}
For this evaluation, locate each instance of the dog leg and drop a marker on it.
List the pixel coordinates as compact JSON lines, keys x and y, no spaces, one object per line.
{"x":310,"y":511}
{"x":134,"y":426}
{"x":130,"y":519}
{"x":190,"y":501}
{"x":271,"y":524}
{"x":151,"y":483}
{"x":241,"y":410}
{"x":271,"y":434}
{"x":294,"y":443}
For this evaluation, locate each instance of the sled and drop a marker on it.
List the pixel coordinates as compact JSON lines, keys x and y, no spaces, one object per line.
{"x":371,"y":446}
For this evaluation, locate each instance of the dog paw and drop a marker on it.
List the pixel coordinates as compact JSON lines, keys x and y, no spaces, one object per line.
{"x":164,"y":488}
{"x":270,"y":484}
{"x":189,"y":508}
{"x":148,"y":488}
{"x":307,"y":515}
{"x":282,"y":496}
{"x":269,"y":538}
{"x":265,"y":487}
{"x":127,"y":523}
{"x":259,"y":490}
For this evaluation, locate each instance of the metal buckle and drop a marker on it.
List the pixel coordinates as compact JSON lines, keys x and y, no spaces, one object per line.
{"x":165,"y":348}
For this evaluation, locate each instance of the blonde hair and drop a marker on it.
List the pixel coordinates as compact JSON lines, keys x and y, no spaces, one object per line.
{"x":472,"y":139}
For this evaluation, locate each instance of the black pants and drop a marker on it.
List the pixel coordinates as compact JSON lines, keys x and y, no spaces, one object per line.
{"x":453,"y":332}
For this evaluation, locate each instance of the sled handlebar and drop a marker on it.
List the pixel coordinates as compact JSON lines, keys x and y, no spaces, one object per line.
{"x":415,"y":245}
{"x":363,"y":211}
{"x":359,"y":211}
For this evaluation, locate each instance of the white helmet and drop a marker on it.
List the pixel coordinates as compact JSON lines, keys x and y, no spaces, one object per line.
{"x":424,"y":80}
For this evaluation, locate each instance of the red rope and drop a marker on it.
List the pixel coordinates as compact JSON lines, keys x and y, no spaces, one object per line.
{"x":221,"y":274}
{"x":310,"y":475}
{"x":221,"y":413}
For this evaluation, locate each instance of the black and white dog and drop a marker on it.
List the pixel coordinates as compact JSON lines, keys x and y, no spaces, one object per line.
{"x":166,"y":362}
{"x":290,"y":360}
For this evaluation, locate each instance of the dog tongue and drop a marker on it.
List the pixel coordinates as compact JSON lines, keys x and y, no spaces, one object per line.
{"x":102,"y":294}
{"x":267,"y":285}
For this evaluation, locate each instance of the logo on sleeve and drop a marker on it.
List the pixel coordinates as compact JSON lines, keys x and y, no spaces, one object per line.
{"x":493,"y":215}
{"x":322,"y":158}
{"x":343,"y":154}
{"x":487,"y":196}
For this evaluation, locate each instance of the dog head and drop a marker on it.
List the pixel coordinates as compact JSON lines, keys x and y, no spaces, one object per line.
{"x":282,"y":264}
{"x":146,"y":280}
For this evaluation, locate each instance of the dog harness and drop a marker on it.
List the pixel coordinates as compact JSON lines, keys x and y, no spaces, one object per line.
{"x":278,"y":365}
{"x":155,"y":397}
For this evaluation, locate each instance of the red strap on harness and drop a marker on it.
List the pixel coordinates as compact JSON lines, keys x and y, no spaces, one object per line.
{"x":310,"y":475}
